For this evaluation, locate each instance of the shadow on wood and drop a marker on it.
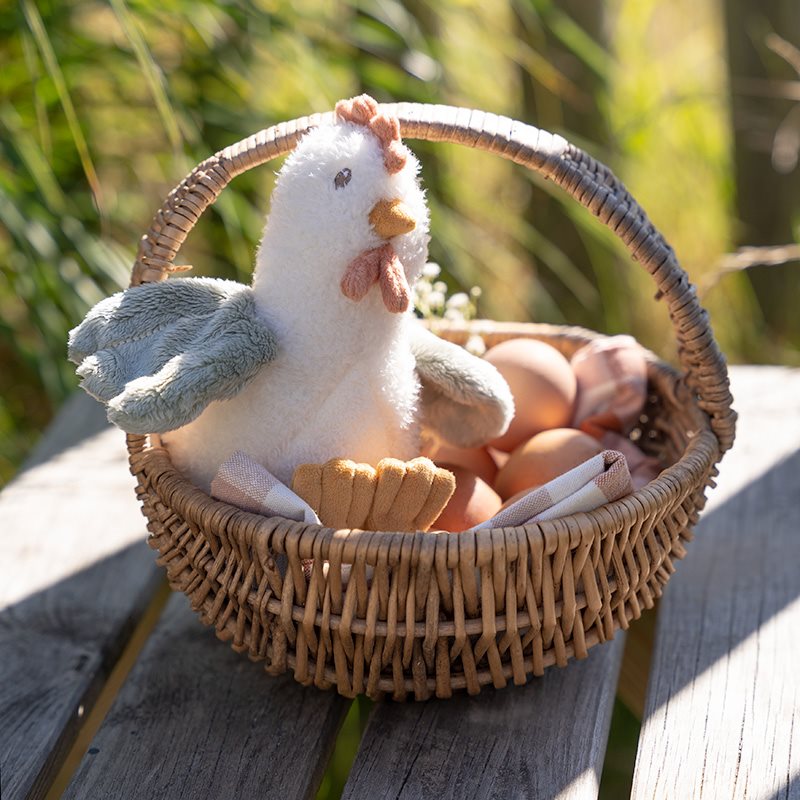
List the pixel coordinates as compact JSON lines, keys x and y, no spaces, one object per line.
{"x":545,"y":739}
{"x":724,"y":692}
{"x":741,"y":570}
{"x":196,"y":719}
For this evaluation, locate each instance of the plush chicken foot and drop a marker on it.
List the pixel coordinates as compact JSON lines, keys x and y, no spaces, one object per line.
{"x":379,"y":265}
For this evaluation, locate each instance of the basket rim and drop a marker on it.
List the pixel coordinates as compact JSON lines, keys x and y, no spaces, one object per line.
{"x":701,"y":453}
{"x":552,"y":531}
{"x":424,"y":615}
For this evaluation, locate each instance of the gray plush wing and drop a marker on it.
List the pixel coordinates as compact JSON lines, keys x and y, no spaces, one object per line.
{"x":159,"y":353}
{"x":465,"y":400}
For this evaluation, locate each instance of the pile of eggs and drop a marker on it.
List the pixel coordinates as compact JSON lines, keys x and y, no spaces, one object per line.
{"x":543,"y":440}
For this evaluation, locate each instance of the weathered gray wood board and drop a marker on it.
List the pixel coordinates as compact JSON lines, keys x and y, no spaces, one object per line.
{"x":76,"y":576}
{"x":723,"y":709}
{"x":543,"y":740}
{"x":195,"y":719}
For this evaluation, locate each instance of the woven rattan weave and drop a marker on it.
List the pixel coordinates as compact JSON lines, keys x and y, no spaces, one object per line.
{"x":432,"y":613}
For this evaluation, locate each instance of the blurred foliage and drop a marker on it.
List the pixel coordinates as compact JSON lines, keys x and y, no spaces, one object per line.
{"x":104,"y":106}
{"x":670,"y":119}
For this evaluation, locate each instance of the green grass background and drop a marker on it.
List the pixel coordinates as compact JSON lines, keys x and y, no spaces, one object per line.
{"x":104,"y":106}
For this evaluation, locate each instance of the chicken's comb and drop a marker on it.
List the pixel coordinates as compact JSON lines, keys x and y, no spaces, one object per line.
{"x":363,"y":110}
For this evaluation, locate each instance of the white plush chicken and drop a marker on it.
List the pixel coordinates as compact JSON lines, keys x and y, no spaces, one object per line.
{"x":322,"y":357}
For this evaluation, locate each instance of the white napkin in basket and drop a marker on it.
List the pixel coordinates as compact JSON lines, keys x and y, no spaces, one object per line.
{"x":243,"y":482}
{"x":599,"y":480}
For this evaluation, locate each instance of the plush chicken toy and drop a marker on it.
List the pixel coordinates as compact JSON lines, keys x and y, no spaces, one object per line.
{"x":322,"y":357}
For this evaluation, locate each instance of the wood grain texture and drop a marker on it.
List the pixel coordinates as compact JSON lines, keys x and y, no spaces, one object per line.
{"x":722,"y":718}
{"x":543,"y":740}
{"x":197,"y":720}
{"x":76,"y":576}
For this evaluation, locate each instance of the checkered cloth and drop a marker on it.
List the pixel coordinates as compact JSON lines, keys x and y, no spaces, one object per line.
{"x":242,"y":482}
{"x":601,"y":479}
{"x":612,"y":385}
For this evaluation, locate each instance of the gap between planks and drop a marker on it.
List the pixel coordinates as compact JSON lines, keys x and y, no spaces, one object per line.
{"x":195,"y":719}
{"x":94,"y":719}
{"x":636,"y":660}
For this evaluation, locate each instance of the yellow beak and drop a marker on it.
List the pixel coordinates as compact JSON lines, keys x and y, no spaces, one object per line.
{"x":391,"y":218}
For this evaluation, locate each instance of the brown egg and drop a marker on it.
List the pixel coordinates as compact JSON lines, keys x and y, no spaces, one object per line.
{"x":498,"y":456}
{"x":543,"y":385}
{"x":472,"y":502}
{"x":475,"y":459}
{"x":544,"y":457}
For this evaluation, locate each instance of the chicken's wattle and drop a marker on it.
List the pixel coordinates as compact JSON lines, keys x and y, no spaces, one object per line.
{"x":388,"y":218}
{"x":379,"y":265}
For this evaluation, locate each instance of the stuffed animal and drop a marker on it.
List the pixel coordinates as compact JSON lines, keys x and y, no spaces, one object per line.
{"x":322,"y":357}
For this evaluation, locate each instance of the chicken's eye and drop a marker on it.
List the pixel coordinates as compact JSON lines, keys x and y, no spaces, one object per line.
{"x":342,"y":178}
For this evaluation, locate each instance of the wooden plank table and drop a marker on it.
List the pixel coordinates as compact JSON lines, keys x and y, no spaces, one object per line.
{"x":81,"y":596}
{"x":722,"y":717}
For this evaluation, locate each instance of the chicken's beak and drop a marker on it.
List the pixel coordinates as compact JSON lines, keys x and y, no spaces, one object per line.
{"x":391,"y":218}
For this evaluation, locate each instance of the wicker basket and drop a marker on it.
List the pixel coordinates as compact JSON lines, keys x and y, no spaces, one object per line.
{"x":431,"y":613}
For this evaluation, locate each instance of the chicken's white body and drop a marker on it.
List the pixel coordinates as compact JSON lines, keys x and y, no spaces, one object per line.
{"x":343,"y":383}
{"x":324,"y":396}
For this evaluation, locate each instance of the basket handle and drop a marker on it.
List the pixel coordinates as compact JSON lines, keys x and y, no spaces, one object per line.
{"x":591,"y":183}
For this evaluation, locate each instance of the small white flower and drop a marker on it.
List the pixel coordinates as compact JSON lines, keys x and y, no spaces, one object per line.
{"x":430,"y":298}
{"x":436,"y":299}
{"x":458,"y":300}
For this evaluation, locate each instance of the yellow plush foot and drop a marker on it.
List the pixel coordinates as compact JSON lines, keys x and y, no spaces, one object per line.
{"x":394,"y":496}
